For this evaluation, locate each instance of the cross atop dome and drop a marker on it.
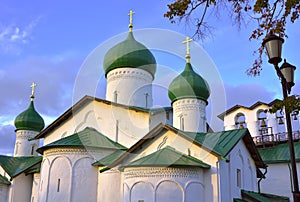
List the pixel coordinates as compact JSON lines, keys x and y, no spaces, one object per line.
{"x":130,"y":20}
{"x":33,"y":85}
{"x":187,"y":42}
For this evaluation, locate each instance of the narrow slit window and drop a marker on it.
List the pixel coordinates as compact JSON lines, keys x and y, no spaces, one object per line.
{"x":32,"y":149}
{"x":146,"y":97}
{"x":117,"y":130}
{"x":238,"y":178}
{"x":58,"y":184}
{"x":115,"y":96}
{"x":181,"y":122}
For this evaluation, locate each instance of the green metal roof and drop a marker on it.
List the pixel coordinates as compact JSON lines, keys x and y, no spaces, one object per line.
{"x":262,"y":197}
{"x":29,"y":120}
{"x":17,"y":165}
{"x":110,"y":158}
{"x":279,"y":153}
{"x":238,"y":200}
{"x":168,"y":157}
{"x":4,"y":180}
{"x":223,"y":142}
{"x":34,"y":169}
{"x":130,"y":53}
{"x":88,"y":137}
{"x":220,"y":142}
{"x":188,"y":85}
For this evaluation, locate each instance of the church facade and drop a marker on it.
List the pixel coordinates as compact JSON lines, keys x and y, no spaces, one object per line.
{"x":121,"y":149}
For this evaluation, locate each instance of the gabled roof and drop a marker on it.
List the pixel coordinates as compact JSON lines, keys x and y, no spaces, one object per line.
{"x":236,"y":107}
{"x":255,"y":196}
{"x":17,"y":165}
{"x":168,"y":157}
{"x":219,"y":143}
{"x":4,"y":180}
{"x":88,"y":137}
{"x":85,"y":101}
{"x":279,"y":153}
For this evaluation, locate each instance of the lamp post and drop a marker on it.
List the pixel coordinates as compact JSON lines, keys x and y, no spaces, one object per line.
{"x":273,"y":46}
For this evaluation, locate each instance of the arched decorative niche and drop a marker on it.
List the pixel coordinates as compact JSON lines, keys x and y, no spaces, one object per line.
{"x":59,"y":188}
{"x":169,"y":191}
{"x":142,"y":191}
{"x":194,"y":192}
{"x":80,"y":191}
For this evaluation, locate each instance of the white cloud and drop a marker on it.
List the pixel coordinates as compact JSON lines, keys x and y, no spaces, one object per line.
{"x":14,"y":37}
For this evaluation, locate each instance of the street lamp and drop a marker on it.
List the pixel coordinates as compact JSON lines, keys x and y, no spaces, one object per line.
{"x":273,"y":45}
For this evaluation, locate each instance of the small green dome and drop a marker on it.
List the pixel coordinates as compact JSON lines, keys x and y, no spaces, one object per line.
{"x":130,"y":53}
{"x":29,"y":120}
{"x":188,"y":85}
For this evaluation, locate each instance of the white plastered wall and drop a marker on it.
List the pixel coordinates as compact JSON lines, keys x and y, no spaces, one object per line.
{"x":20,"y":188}
{"x":210,"y":176}
{"x":278,"y":180}
{"x":251,"y":119}
{"x":189,"y":114}
{"x":24,"y":147}
{"x":130,"y":86}
{"x":35,"y":187}
{"x":126,"y":126}
{"x":163,"y":184}
{"x":67,"y":175}
{"x":239,"y":158}
{"x":109,"y":183}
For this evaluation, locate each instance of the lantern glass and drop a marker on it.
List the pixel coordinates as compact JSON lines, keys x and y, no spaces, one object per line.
{"x":273,"y":45}
{"x":288,"y":72}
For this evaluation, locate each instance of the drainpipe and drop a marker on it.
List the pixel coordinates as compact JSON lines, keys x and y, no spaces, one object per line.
{"x":266,"y":170}
{"x":289,"y":166}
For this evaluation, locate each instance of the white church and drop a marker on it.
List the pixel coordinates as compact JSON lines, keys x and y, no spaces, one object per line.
{"x":121,"y":149}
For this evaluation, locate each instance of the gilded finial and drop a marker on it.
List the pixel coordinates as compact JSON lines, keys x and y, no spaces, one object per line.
{"x":187,"y":42}
{"x":130,"y":20}
{"x":33,"y":85}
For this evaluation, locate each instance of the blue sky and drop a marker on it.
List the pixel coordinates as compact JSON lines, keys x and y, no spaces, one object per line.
{"x":48,"y":41}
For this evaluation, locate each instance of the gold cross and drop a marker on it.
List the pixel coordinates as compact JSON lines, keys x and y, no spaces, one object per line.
{"x":187,"y":42}
{"x":130,"y":20}
{"x":33,"y":85}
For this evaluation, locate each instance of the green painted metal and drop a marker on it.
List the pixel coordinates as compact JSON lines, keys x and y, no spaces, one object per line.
{"x":17,"y":165}
{"x":279,"y":153}
{"x":188,"y":84}
{"x":4,"y":180}
{"x":110,"y":158}
{"x":34,"y":169}
{"x":88,"y":137}
{"x":29,"y":120}
{"x":219,"y":142}
{"x":263,"y":197}
{"x":130,"y":53}
{"x":168,"y":157}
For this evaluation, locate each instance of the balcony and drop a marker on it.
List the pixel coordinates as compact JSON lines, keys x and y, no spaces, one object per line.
{"x":267,"y":138}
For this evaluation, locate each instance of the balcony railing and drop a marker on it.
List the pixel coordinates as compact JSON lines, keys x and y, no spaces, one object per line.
{"x":266,"y":138}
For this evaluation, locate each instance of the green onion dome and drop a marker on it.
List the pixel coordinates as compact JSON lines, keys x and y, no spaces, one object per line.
{"x":188,"y":85}
{"x":130,"y":53}
{"x":29,"y":120}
